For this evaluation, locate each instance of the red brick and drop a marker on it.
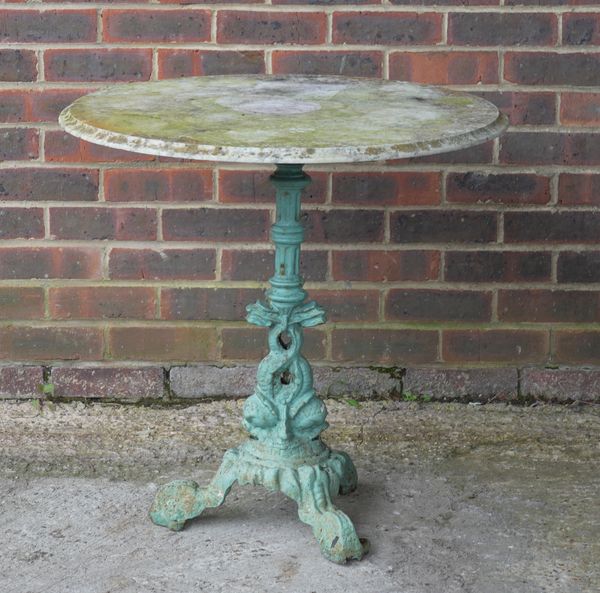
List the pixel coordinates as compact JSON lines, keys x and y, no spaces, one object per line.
{"x":581,"y":28}
{"x":102,"y":302}
{"x":251,"y":187}
{"x":227,"y":304}
{"x":552,"y":227}
{"x":258,"y":265}
{"x":108,"y":382}
{"x":122,"y":224}
{"x":579,"y":189}
{"x":18,"y":65}
{"x":387,"y":28}
{"x":346,"y":63}
{"x":495,"y":28}
{"x":442,"y":226}
{"x":579,"y":266}
{"x":344,"y":226}
{"x":561,"y":306}
{"x":173,"y":63}
{"x":437,"y":67}
{"x":326,"y":2}
{"x":65,"y":148}
{"x":504,"y":188}
{"x":49,"y":262}
{"x":18,"y":144}
{"x":158,"y":185}
{"x":34,"y":184}
{"x":13,"y":106}
{"x":561,"y":385}
{"x":451,"y":2}
{"x":48,"y":26}
{"x":21,"y":223}
{"x":21,"y":303}
{"x":162,"y":264}
{"x":348,"y":305}
{"x":237,"y":26}
{"x":397,"y":188}
{"x":386,"y":266}
{"x":160,"y":26}
{"x":577,"y":347}
{"x":479,"y":154}
{"x":163,"y":343}
{"x":18,"y":381}
{"x":498,"y":266}
{"x":50,"y":343}
{"x":551,"y":68}
{"x":209,"y":224}
{"x":83,"y":65}
{"x":536,"y":108}
{"x":580,"y":109}
{"x":494,"y":345}
{"x":250,"y":344}
{"x":387,"y":346}
{"x":46,"y":104}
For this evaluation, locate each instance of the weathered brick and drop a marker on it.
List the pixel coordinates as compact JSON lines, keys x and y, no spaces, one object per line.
{"x":63,"y":147}
{"x":348,"y":305}
{"x":581,"y":28}
{"x":571,"y":306}
{"x":21,"y":381}
{"x":163,"y":343}
{"x":102,"y":302}
{"x":389,"y":28}
{"x":346,"y":63}
{"x":207,"y":380}
{"x":576,"y":189}
{"x":437,"y":67}
{"x":34,"y":184}
{"x":535,"y":108}
{"x":258,"y":265}
{"x":494,"y":345}
{"x":50,"y":343}
{"x":48,"y":26}
{"x":49,"y":262}
{"x":250,"y":344}
{"x":550,"y":148}
{"x":495,"y":28}
{"x":18,"y":65}
{"x":21,"y":223}
{"x":160,"y":26}
{"x":462,"y":384}
{"x":81,"y":65}
{"x":46,"y":104}
{"x":578,"y":266}
{"x":437,"y":226}
{"x":13,"y":106}
{"x":21,"y":302}
{"x":580,"y":109}
{"x":438,"y":305}
{"x":479,"y":154}
{"x":173,"y":63}
{"x":577,"y":347}
{"x":498,"y":266}
{"x":128,"y":383}
{"x":561,"y":385}
{"x":343,"y":226}
{"x":158,"y":185}
{"x":237,"y":26}
{"x":551,"y":68}
{"x":504,"y":188}
{"x":207,"y":224}
{"x":552,"y":227}
{"x":227,"y":304}
{"x":162,"y":264}
{"x":18,"y":144}
{"x":256,"y":187}
{"x":396,"y":188}
{"x":123,"y":224}
{"x":387,"y":346}
{"x":386,"y":266}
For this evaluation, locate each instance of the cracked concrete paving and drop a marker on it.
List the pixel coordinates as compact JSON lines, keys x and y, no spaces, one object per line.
{"x":454,"y":498}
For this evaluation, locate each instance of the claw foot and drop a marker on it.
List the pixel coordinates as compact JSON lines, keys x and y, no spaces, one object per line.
{"x":175,"y":503}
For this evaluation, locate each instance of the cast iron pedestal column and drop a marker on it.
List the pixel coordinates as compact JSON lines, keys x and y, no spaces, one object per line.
{"x":284,"y":416}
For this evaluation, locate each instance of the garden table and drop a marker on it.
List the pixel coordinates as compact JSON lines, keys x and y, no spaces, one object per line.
{"x":288,"y":121}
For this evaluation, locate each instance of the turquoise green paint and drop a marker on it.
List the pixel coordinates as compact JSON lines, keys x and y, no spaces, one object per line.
{"x":283,"y":416}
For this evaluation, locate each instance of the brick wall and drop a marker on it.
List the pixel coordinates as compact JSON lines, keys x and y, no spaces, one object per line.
{"x":116,"y":267}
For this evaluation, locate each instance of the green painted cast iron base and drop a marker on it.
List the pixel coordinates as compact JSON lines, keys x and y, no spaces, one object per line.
{"x":284,"y":416}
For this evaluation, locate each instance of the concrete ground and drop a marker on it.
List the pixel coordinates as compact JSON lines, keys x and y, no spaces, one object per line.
{"x":454,"y":498}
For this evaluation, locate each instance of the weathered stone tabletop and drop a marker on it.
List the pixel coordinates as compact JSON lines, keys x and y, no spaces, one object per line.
{"x":289,"y":121}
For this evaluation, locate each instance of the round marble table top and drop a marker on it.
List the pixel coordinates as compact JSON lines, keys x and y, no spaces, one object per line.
{"x":282,"y":119}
